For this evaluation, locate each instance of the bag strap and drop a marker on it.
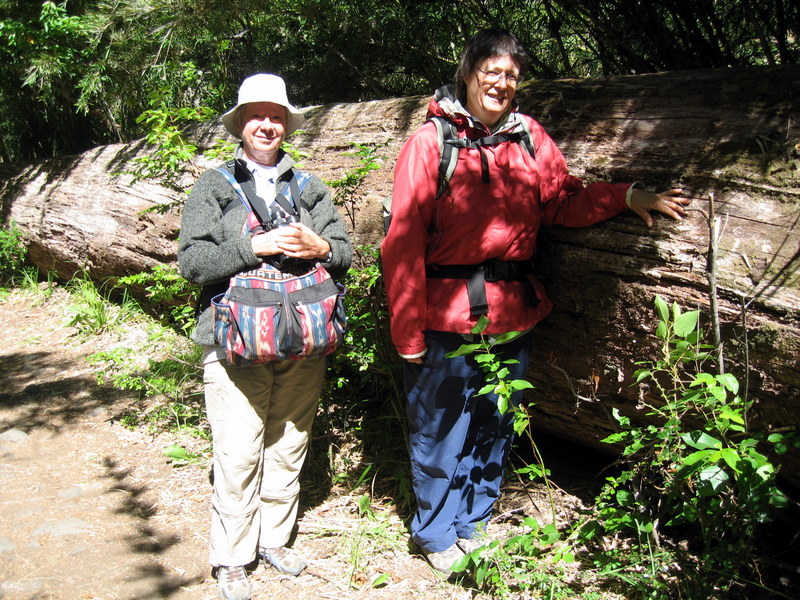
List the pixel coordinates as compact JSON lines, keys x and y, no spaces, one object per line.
{"x":235,"y":171}
{"x":239,"y":177}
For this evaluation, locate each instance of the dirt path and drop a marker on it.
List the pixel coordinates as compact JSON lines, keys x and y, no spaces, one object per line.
{"x":92,"y":510}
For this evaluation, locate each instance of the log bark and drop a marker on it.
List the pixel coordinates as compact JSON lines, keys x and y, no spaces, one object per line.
{"x":730,"y":134}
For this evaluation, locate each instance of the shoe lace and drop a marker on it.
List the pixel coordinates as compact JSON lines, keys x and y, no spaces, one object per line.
{"x":234,"y":574}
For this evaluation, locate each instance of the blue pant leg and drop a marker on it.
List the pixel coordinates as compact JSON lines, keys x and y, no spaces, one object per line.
{"x":439,"y":423}
{"x":488,"y":443}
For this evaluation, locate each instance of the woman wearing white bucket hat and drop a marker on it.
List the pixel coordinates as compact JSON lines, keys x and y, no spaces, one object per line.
{"x":260,"y":415}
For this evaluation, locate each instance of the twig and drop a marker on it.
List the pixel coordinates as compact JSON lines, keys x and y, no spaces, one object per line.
{"x":746,"y":358}
{"x":575,"y":395}
{"x":502,"y":516}
{"x":711,"y":274}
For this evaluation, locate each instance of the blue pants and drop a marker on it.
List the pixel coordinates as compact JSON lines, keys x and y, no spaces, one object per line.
{"x":459,"y":441}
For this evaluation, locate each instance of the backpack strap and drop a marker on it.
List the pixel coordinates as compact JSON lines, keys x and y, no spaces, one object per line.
{"x":450,"y":143}
{"x":448,"y":152}
{"x":525,"y":137}
{"x":476,"y":276}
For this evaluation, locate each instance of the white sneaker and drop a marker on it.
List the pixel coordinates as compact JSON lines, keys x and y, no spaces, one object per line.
{"x":286,"y":560}
{"x":443,"y":561}
{"x":232,"y":583}
{"x":468,"y":546}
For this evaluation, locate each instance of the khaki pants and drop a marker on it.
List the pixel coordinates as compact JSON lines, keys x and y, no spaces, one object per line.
{"x":260,"y":419}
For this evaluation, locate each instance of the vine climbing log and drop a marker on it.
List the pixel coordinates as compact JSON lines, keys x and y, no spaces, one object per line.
{"x":730,"y":133}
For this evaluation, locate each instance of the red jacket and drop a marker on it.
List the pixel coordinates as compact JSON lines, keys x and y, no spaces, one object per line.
{"x":474,"y":222}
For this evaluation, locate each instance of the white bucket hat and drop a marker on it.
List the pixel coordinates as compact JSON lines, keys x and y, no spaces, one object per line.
{"x":263,"y":88}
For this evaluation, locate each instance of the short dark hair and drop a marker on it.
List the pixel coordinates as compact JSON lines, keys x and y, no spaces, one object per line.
{"x":488,"y":43}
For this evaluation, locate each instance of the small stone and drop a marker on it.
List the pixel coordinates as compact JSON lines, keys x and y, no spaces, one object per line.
{"x":6,"y":545}
{"x":78,"y":549}
{"x":20,"y":586}
{"x":28,"y":511}
{"x":71,"y":526}
{"x":99,"y":411}
{"x":71,"y":492}
{"x":13,"y":435}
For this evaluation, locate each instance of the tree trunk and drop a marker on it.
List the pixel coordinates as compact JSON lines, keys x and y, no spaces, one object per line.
{"x":730,"y":134}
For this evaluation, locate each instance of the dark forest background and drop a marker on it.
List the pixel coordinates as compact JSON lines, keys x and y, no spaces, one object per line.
{"x":79,"y":73}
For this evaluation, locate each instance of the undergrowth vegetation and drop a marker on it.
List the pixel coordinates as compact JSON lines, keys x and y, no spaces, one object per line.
{"x":681,"y":517}
{"x":12,"y":254}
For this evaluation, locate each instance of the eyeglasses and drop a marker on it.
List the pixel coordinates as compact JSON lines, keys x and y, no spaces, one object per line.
{"x":493,"y":77}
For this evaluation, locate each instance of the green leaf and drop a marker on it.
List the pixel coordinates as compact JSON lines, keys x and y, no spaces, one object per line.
{"x":624,"y":498}
{"x":729,"y":382}
{"x":720,"y":395}
{"x":766,"y":472}
{"x":520,"y":384}
{"x":731,"y":415}
{"x":712,"y":480}
{"x":480,"y":572}
{"x":778,"y":499}
{"x":176,"y":451}
{"x":507,"y":337}
{"x":481,"y":325}
{"x":662,"y":309}
{"x":502,"y":404}
{"x":780,"y":443}
{"x":706,"y":379}
{"x":615,"y":437}
{"x":463,"y":350}
{"x":179,"y":455}
{"x":701,"y":440}
{"x":696,"y":457}
{"x":620,"y":418}
{"x":485,"y":358}
{"x":686,"y":323}
{"x":461,"y":564}
{"x":646,"y":527}
{"x":676,"y":311}
{"x":731,"y":458}
{"x":381,"y":579}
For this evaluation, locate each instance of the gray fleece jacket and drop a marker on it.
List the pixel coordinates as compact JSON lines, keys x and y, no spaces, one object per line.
{"x":212,"y":249}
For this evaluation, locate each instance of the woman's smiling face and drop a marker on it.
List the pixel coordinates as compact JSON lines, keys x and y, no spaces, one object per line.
{"x":491,"y":88}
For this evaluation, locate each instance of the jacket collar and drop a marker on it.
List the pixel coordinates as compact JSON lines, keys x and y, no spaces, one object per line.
{"x":445,"y":104}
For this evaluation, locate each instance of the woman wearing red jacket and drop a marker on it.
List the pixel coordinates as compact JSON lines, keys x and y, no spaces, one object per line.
{"x":450,"y":257}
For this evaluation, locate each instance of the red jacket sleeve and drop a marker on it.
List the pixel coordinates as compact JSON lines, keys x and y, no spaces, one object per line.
{"x":403,"y":248}
{"x":564,"y":198}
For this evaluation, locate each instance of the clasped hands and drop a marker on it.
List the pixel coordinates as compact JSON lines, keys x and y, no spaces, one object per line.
{"x":295,"y":240}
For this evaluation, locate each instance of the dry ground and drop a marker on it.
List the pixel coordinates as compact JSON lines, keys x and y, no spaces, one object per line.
{"x":92,"y":509}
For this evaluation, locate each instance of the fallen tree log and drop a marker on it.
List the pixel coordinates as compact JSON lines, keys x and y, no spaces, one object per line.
{"x":727,"y":134}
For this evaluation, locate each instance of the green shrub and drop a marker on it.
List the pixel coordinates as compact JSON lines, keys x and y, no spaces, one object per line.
{"x":697,"y":481}
{"x":12,"y":253}
{"x":169,"y":296}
